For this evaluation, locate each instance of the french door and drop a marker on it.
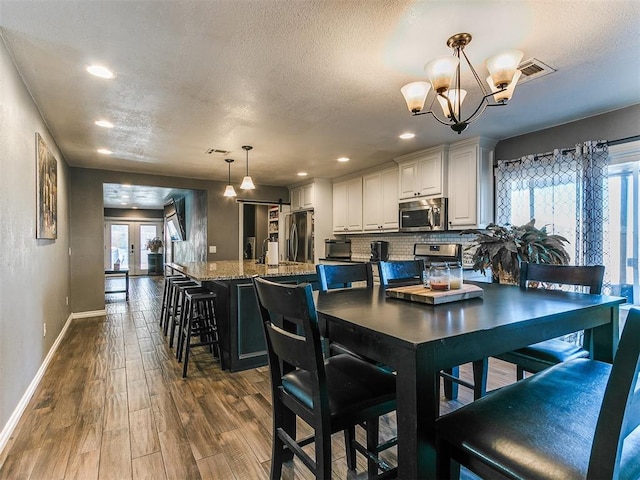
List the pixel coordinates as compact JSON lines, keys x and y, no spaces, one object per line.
{"x":125,"y":244}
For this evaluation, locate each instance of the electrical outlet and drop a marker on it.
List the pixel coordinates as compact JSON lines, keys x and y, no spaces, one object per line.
{"x":44,"y":329}
{"x":66,"y":300}
{"x":212,"y":249}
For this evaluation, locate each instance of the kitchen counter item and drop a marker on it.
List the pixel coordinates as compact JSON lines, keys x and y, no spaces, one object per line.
{"x":379,"y":251}
{"x":337,"y":249}
{"x":417,"y":293}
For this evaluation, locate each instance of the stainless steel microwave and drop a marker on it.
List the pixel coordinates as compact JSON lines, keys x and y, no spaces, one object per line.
{"x":423,"y":215}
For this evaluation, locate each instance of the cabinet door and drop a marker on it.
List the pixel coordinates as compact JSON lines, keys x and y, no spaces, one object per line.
{"x":463,"y":186}
{"x":296,"y":201}
{"x":409,"y":179}
{"x":389,"y":207}
{"x":430,"y":169}
{"x":372,"y":200}
{"x":307,"y":196}
{"x":354,"y":205}
{"x":340,"y":207}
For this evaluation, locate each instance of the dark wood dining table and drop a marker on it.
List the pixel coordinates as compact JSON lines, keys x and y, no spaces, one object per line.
{"x":419,"y":340}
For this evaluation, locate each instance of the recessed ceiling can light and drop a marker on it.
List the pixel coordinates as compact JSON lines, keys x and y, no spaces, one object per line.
{"x":135,"y":208}
{"x":407,"y":136}
{"x":123,"y":203}
{"x":343,"y":159}
{"x":104,"y":151}
{"x":302,"y":174}
{"x":104,"y":123}
{"x":100,"y":71}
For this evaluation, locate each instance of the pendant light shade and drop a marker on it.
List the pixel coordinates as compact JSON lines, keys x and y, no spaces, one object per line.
{"x":247,"y":181}
{"x":229,"y":191}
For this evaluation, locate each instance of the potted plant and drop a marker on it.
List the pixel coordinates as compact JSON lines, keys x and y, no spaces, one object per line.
{"x":154,"y":244}
{"x":502,"y":248}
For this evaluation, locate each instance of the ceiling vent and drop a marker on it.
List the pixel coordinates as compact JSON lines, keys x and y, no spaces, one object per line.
{"x":532,"y":69}
{"x":211,"y":151}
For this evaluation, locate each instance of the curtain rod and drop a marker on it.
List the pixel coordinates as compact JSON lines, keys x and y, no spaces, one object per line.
{"x":563,"y":151}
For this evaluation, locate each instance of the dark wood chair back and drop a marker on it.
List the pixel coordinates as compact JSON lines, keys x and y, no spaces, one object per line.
{"x":586,"y":276}
{"x":401,"y":272}
{"x":342,"y":276}
{"x":620,"y":412}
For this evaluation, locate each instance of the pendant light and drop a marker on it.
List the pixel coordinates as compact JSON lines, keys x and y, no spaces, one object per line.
{"x":247,"y":182}
{"x":229,"y":191}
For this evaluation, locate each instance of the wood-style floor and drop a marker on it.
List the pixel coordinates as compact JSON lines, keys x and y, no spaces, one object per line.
{"x":113,"y":405}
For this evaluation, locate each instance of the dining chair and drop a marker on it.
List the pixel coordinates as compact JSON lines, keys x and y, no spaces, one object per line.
{"x":396,"y":273}
{"x":343,"y":275}
{"x":411,"y":272}
{"x":576,"y":420}
{"x":537,"y":357}
{"x":330,"y":395}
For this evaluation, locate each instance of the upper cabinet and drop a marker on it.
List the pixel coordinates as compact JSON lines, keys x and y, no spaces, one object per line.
{"x":423,"y":173}
{"x":470,"y":184}
{"x":303,"y":197}
{"x":347,"y":206}
{"x":380,"y":199}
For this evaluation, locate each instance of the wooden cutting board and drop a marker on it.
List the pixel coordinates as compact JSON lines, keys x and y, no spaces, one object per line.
{"x":417,"y":293}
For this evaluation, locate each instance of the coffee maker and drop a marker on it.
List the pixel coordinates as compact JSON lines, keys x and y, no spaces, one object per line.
{"x":379,"y":251}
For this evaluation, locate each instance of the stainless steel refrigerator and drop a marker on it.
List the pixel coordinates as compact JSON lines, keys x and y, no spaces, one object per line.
{"x":299,"y":236}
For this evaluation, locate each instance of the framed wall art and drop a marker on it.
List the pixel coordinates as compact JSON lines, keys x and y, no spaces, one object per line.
{"x":47,"y":191}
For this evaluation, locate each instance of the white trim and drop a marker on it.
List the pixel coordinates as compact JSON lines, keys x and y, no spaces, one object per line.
{"x":93,"y":313}
{"x":624,"y":152}
{"x":7,"y":431}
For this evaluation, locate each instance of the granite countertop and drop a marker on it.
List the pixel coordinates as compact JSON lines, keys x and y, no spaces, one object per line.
{"x":234,"y":269}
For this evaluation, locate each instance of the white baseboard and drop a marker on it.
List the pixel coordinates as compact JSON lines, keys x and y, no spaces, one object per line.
{"x":94,"y":313}
{"x":7,"y":431}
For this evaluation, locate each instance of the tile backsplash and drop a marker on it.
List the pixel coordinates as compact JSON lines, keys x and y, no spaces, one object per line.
{"x":401,"y":244}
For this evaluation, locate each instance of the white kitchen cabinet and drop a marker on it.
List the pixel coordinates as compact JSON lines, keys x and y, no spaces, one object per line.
{"x":303,"y":197}
{"x":470,"y":184}
{"x":380,"y":201}
{"x":347,"y":206}
{"x":423,"y":173}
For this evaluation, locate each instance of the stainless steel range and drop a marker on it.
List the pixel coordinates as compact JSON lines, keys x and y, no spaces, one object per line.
{"x":438,"y":252}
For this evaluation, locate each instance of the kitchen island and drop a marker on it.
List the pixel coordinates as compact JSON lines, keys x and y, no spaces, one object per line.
{"x":241,"y":337}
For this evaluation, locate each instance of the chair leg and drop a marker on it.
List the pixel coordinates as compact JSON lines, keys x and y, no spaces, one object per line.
{"x":349,"y":442}
{"x":450,"y":387}
{"x":323,"y":454}
{"x":446,"y":467}
{"x":480,"y":372}
{"x":519,"y":373}
{"x":373,"y":430}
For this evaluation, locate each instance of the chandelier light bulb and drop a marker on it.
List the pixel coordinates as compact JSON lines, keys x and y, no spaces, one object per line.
{"x":441,"y":72}
{"x":503,"y":66}
{"x":415,"y":94}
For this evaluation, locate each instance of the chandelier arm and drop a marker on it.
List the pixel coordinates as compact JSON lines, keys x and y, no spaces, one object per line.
{"x":484,"y":103}
{"x":448,"y":124}
{"x":475,"y":74}
{"x":451,"y":110}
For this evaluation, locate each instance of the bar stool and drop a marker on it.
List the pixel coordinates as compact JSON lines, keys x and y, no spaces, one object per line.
{"x":165,"y":297}
{"x":181,"y":318}
{"x":200,"y":321}
{"x":179,"y":290}
{"x":173,"y":307}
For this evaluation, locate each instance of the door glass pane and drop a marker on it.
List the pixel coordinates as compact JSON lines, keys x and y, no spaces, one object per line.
{"x":120,"y":245}
{"x":147,"y":232}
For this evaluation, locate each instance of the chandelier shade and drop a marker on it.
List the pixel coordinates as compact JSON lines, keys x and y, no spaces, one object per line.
{"x":445,"y":80}
{"x":229,"y":191}
{"x":247,"y":181}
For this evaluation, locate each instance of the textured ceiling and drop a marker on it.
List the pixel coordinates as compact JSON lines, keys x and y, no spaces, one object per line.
{"x":117,"y":195}
{"x":304,"y":82}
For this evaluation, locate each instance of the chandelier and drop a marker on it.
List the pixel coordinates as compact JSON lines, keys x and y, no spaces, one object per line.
{"x":444,"y":78}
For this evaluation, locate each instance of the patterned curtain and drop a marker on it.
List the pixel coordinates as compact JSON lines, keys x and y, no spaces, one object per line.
{"x":550,"y":187}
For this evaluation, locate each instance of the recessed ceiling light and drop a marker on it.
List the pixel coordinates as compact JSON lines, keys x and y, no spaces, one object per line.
{"x":104,"y":123}
{"x":302,"y":174}
{"x":123,"y":203}
{"x":100,"y":71}
{"x":104,"y":151}
{"x":406,"y":136}
{"x":343,"y":159}
{"x":125,"y":196}
{"x":135,"y":208}
{"x":126,"y":185}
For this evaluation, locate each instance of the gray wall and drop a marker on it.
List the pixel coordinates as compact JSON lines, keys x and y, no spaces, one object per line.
{"x":614,"y":125}
{"x":87,"y":219}
{"x":34,"y":274}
